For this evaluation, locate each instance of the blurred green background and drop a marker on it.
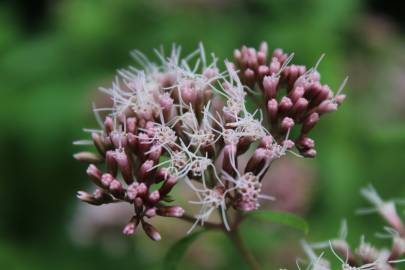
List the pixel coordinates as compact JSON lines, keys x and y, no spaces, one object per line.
{"x":55,"y":54}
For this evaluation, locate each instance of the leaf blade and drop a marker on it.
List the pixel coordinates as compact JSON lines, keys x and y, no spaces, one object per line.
{"x":176,"y":252}
{"x":283,"y":218}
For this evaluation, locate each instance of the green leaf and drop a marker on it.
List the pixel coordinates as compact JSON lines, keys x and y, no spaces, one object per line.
{"x":283,"y":218}
{"x":176,"y":252}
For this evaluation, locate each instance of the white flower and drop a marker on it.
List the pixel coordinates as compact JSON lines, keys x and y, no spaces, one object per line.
{"x":210,"y":200}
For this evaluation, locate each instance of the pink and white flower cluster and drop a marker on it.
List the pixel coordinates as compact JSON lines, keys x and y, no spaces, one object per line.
{"x":186,"y":120}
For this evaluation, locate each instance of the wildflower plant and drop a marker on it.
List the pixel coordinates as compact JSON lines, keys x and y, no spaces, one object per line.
{"x":186,"y":121}
{"x":365,"y":256}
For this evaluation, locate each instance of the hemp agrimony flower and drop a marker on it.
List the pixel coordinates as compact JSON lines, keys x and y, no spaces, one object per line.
{"x":183,"y":120}
{"x":365,"y":256}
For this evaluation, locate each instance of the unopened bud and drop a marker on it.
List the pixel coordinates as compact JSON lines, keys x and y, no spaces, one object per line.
{"x":154,"y":197}
{"x":270,"y":84}
{"x":111,"y":163}
{"x":266,"y":142}
{"x":125,"y":166}
{"x":285,"y":105}
{"x":296,"y":93}
{"x":327,"y":106}
{"x":309,"y":123}
{"x":108,"y":125}
{"x":142,"y":190}
{"x":87,"y":197}
{"x":99,"y":143}
{"x":146,"y":173}
{"x":306,"y":143}
{"x":310,"y":153}
{"x":132,"y":191}
{"x":130,"y":228}
{"x":272,"y":108}
{"x":95,"y":174}
{"x":170,"y":211}
{"x":116,"y":188}
{"x":258,"y":160}
{"x":87,"y":157}
{"x":168,"y":185}
{"x":286,"y":124}
{"x":151,"y":231}
{"x":151,"y":212}
{"x":106,"y":179}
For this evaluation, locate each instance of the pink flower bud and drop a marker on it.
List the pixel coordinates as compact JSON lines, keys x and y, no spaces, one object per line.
{"x":261,"y":58}
{"x":327,"y":106}
{"x":322,"y":96}
{"x":299,"y":107}
{"x":125,"y":166}
{"x":130,"y":228}
{"x":132,"y":142}
{"x":117,"y":189}
{"x":146,"y":173}
{"x":306,"y":142}
{"x":151,"y":231}
{"x":309,"y":123}
{"x":339,"y":99}
{"x":118,"y":139}
{"x":270,"y":84}
{"x":263,"y":71}
{"x":168,"y":185}
{"x":154,"y":197}
{"x":280,"y":55}
{"x":142,"y":190}
{"x":87,"y":157}
{"x":111,"y":163}
{"x":285,"y":105}
{"x":258,"y":160}
{"x":264,"y":48}
{"x":102,"y":197}
{"x":131,"y":125}
{"x":87,"y":197}
{"x":106,"y":179}
{"x":108,"y":125}
{"x":286,"y":124}
{"x":266,"y":142}
{"x":170,"y":211}
{"x":310,"y":153}
{"x":156,"y":153}
{"x":161,"y":175}
{"x":296,"y":93}
{"x":95,"y":174}
{"x":272,"y":108}
{"x":151,"y":212}
{"x":237,"y":55}
{"x":188,"y":95}
{"x":132,"y":191}
{"x":99,"y":143}
{"x":274,"y":65}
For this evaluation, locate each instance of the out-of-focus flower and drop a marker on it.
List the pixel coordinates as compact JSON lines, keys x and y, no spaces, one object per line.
{"x":365,"y":256}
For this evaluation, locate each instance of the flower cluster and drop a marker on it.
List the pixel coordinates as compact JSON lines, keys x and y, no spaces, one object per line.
{"x":293,"y":94}
{"x":183,"y":120}
{"x":366,"y":256}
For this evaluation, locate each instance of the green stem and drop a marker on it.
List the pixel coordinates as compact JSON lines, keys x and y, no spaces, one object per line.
{"x":236,"y":238}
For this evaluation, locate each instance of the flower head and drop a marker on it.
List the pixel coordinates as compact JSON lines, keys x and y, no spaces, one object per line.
{"x":181,"y":120}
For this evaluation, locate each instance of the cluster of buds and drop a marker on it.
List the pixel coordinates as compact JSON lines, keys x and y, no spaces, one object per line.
{"x":293,"y":94}
{"x":182,"y":120}
{"x":365,"y":256}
